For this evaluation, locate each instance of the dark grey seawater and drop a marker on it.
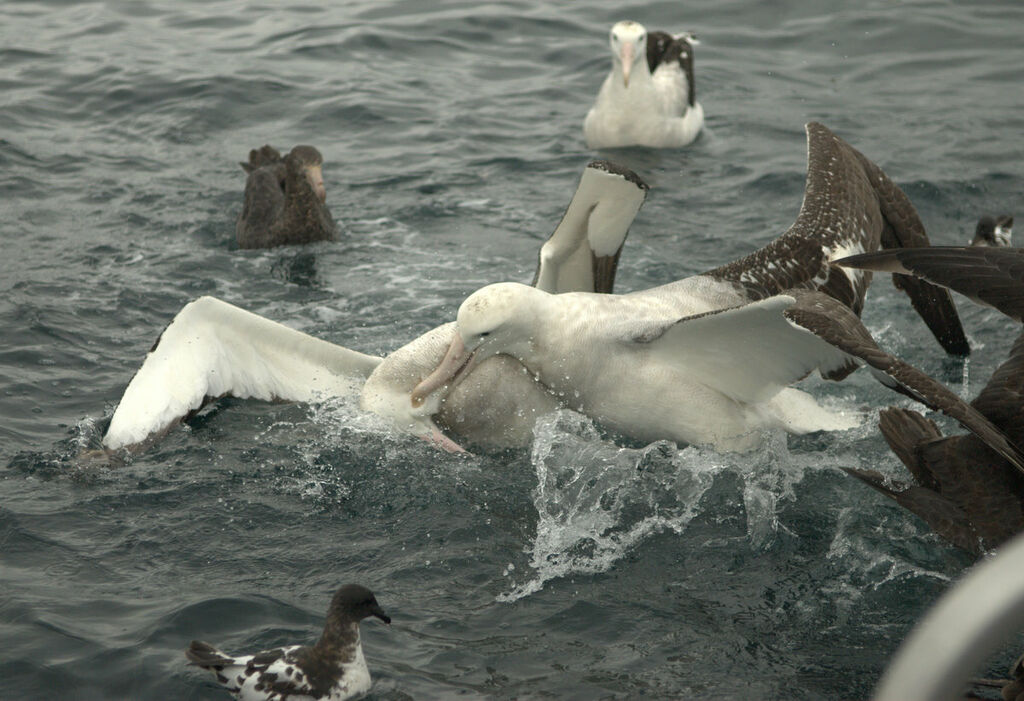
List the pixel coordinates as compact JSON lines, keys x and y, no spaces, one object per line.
{"x":451,"y":131}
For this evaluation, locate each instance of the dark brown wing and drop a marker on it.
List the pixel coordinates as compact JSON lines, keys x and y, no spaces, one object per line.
{"x":904,"y":229}
{"x":964,"y":472}
{"x":943,"y":516}
{"x":989,"y":276}
{"x":1002,"y":400}
{"x":837,"y":325}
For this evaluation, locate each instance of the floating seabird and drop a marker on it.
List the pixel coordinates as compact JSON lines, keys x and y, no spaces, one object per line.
{"x":213,"y":349}
{"x":849,"y":206}
{"x":993,"y":232}
{"x":708,"y":359}
{"x":285,"y":199}
{"x":962,"y":490}
{"x":649,"y":97}
{"x":693,"y":361}
{"x":333,"y":669}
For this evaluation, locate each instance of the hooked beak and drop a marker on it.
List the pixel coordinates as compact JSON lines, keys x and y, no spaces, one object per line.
{"x":628,"y":55}
{"x":315,"y":176}
{"x":442,"y":441}
{"x":379,"y":613}
{"x":456,"y":363}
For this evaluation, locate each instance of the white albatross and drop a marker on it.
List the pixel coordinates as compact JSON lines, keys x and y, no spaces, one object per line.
{"x":649,"y":97}
{"x":757,"y":324}
{"x":213,"y":349}
{"x":708,"y":359}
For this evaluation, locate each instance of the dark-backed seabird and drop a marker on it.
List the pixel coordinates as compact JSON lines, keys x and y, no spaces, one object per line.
{"x":333,"y":669}
{"x":967,"y":494}
{"x":285,"y":199}
{"x":991,"y":231}
{"x":213,"y":349}
{"x":649,"y":97}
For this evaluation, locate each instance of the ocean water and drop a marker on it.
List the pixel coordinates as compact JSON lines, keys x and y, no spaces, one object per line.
{"x":580,"y":568}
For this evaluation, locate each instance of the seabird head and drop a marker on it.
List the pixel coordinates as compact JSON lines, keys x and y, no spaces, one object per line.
{"x":352,"y":603}
{"x":489,"y":322}
{"x":308,"y":161}
{"x":629,"y":43}
{"x":993,"y":231}
{"x":386,"y":390}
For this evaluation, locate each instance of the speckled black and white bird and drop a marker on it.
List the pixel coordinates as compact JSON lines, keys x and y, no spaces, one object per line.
{"x":993,"y":231}
{"x":333,"y":669}
{"x":649,"y":97}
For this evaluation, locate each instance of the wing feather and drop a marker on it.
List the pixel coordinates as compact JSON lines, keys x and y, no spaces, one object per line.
{"x":583,"y":252}
{"x":212,"y":349}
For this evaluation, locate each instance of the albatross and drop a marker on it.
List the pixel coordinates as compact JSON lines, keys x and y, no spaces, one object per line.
{"x":709,"y":359}
{"x":649,"y":97}
{"x":969,"y":496}
{"x":213,"y":349}
{"x":732,"y":338}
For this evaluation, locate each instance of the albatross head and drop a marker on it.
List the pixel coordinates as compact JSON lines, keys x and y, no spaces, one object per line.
{"x":308,"y":161}
{"x":629,"y":43}
{"x":492,"y":320}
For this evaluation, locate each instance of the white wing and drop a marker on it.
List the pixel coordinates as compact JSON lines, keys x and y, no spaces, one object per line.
{"x":583,"y":251}
{"x":747,"y":353}
{"x":212,"y":349}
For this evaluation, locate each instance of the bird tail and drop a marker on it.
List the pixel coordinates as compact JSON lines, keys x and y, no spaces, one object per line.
{"x":207,"y":656}
{"x":905,"y":431}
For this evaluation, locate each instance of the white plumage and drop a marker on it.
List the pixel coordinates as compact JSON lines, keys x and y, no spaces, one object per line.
{"x":212,"y":348}
{"x":706,"y":359}
{"x":649,"y":97}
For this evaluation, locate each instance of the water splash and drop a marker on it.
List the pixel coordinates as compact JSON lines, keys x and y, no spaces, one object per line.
{"x":595,"y":501}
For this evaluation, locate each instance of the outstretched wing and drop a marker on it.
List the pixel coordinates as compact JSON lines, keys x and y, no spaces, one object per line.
{"x":990,"y":276}
{"x":583,"y":252}
{"x":839,"y":215}
{"x":834,"y":324}
{"x":750,"y":352}
{"x":850,"y":206}
{"x":213,"y":349}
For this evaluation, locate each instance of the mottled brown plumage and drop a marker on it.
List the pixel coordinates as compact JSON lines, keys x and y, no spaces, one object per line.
{"x":849,"y":204}
{"x":964,"y":491}
{"x":284,"y":199}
